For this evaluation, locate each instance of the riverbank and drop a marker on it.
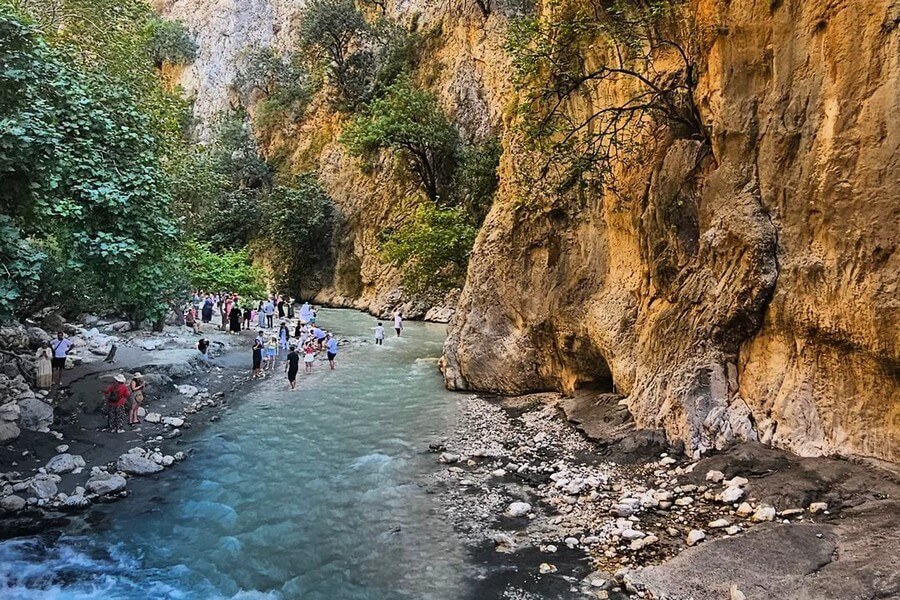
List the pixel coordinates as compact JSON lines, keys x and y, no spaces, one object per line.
{"x":550,"y":511}
{"x":60,"y":466}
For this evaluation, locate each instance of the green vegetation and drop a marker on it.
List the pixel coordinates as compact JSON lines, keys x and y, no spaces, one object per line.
{"x":409,"y":122}
{"x":283,"y":83}
{"x":223,"y":270}
{"x":475,"y":180}
{"x":577,"y":51}
{"x":433,"y":249}
{"x":169,"y":42}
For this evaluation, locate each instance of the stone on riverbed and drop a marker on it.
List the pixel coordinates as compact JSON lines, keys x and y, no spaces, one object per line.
{"x":173,"y":421}
{"x":695,"y":536}
{"x":43,"y":486}
{"x":134,"y":464}
{"x":106,"y":483}
{"x":12,"y":503}
{"x":34,"y":414}
{"x":518,"y":509}
{"x":153,"y":417}
{"x":64,"y":463}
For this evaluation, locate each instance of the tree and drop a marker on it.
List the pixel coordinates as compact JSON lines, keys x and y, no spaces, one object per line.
{"x":229,"y":270}
{"x":170,"y":42}
{"x":432,"y":249}
{"x":409,"y":122}
{"x":632,"y":47}
{"x":475,"y":179}
{"x":334,"y":32}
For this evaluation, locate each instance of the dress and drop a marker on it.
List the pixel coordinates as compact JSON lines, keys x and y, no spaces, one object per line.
{"x":44,"y":367}
{"x":261,"y":319}
{"x":234,"y":318}
{"x":293,"y":360}
{"x":207,"y":310}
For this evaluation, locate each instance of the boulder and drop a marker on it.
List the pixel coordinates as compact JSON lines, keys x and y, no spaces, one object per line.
{"x":8,"y":431}
{"x":12,"y":503}
{"x":9,"y":412}
{"x":14,"y":338}
{"x":105,"y":483}
{"x":42,"y":486}
{"x":173,"y":421}
{"x":34,"y":414}
{"x":36,"y":337}
{"x":188,"y":390}
{"x":76,"y":502}
{"x":64,"y":463}
{"x":153,"y":417}
{"x":518,"y":509}
{"x":120,"y":326}
{"x":134,"y":464}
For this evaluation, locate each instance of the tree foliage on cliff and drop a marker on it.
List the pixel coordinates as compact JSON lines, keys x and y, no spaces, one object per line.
{"x":634,"y":61}
{"x":170,"y":42}
{"x":409,"y":122}
{"x":80,"y":176}
{"x":224,"y":270}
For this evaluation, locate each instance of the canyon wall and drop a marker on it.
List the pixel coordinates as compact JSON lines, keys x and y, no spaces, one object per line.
{"x":744,"y":288}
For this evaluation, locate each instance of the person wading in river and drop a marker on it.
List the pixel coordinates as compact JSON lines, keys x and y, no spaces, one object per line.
{"x":292,"y":366}
{"x":398,"y":322}
{"x":309,"y":355}
{"x":257,"y":356}
{"x":332,"y":345}
{"x":116,"y":396}
{"x":137,"y":398}
{"x":379,"y":334}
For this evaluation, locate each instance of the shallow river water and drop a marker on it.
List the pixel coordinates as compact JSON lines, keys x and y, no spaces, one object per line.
{"x":313,"y":494}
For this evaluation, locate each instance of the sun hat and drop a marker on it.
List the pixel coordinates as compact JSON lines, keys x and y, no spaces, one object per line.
{"x":120,"y":378}
{"x":138,"y":375}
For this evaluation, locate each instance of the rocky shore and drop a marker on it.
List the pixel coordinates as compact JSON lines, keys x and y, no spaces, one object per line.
{"x":551,"y":513}
{"x":56,"y":458}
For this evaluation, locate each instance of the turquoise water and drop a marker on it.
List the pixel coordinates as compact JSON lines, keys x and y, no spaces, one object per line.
{"x":313,"y":494}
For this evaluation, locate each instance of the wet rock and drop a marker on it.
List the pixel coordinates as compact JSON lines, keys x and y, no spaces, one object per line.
{"x":105,"y":483}
{"x":448,"y":458}
{"x":188,"y":390}
{"x":153,"y":417}
{"x":34,"y":414}
{"x":173,"y":421}
{"x":43,"y":486}
{"x":76,"y":502}
{"x":134,"y":464}
{"x":64,"y":463}
{"x":547,"y":568}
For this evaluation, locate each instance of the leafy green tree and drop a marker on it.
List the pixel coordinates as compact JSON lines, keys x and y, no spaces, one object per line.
{"x":475,"y":179}
{"x":170,"y":42}
{"x":230,"y":270}
{"x":21,"y":264}
{"x":333,"y":33}
{"x":409,"y":122}
{"x":79,"y":170}
{"x":432,"y":250}
{"x":297,"y":228}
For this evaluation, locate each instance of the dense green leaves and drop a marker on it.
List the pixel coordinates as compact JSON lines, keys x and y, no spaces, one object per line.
{"x":433,"y":249}
{"x":409,"y":122}
{"x":170,"y":42}
{"x":224,"y":270}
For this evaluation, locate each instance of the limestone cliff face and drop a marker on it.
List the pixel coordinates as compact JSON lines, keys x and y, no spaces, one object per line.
{"x":744,"y":289}
{"x":766,"y":306}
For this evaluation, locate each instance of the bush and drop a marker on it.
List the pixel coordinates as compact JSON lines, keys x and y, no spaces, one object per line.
{"x":229,"y":270}
{"x":22,"y":264}
{"x":432,"y":250}
{"x":409,"y":122}
{"x":286,"y":84}
{"x":475,"y":180}
{"x":170,"y":42}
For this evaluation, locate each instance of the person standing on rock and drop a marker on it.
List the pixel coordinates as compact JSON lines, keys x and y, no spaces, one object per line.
{"x":379,"y":334}
{"x":43,"y":364}
{"x":269,"y":309}
{"x":292,"y":366}
{"x":61,"y":347}
{"x":257,"y":357}
{"x":116,"y":396}
{"x":137,"y":398}
{"x":332,"y":346}
{"x":398,"y":322}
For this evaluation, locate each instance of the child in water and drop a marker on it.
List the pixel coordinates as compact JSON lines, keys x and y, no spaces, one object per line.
{"x":379,"y":334}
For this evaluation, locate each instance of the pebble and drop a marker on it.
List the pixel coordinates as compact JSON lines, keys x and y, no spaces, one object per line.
{"x":718,"y":524}
{"x":546,"y":568}
{"x":715,"y":476}
{"x":695,"y":536}
{"x":818,"y":507}
{"x":744,"y":510}
{"x":763,"y":513}
{"x":734,"y":529}
{"x":518,"y":509}
{"x":731,"y":495}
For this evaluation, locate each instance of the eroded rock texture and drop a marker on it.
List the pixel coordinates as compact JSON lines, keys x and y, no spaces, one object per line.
{"x":751,"y":293}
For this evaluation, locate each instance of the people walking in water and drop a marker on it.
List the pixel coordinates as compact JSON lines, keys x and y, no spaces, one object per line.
{"x":43,"y":364}
{"x":319,"y":335}
{"x":309,"y":355}
{"x":398,"y":322}
{"x":116,"y":396}
{"x":137,"y":398}
{"x":283,"y":334}
{"x":61,"y":347}
{"x":292,"y":365}
{"x":271,"y":353}
{"x":257,"y":356}
{"x":332,"y":346}
{"x":379,"y":334}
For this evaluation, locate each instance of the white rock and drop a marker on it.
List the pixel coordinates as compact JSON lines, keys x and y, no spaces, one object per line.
{"x":695,"y":535}
{"x":168,"y":461}
{"x":733,"y":530}
{"x":686,"y":501}
{"x":667,"y":461}
{"x":518,"y":509}
{"x":187,"y":390}
{"x":744,"y":510}
{"x":763,"y":513}
{"x":736,"y":482}
{"x":633,"y":534}
{"x":173,"y":421}
{"x":137,"y":465}
{"x":62,"y":448}
{"x":153,"y":417}
{"x":64,"y":463}
{"x":12,"y":503}
{"x":818,"y":507}
{"x":546,"y":568}
{"x":448,"y":458}
{"x":105,"y":483}
{"x":731,"y":494}
{"x":42,"y":486}
{"x":718,"y":524}
{"x":715,"y":476}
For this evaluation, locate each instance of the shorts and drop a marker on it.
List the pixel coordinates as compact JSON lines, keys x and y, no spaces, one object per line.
{"x":270,"y":352}
{"x":58,"y":363}
{"x":292,"y":374}
{"x":309,"y":358}
{"x":331,"y":355}
{"x":397,"y":329}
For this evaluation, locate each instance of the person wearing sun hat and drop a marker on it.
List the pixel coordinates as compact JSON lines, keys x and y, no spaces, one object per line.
{"x":116,"y":396}
{"x":137,"y":398}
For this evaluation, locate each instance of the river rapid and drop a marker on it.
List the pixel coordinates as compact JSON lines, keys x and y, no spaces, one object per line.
{"x":316,"y":493}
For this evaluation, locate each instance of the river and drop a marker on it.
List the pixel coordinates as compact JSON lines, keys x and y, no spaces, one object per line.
{"x":315,"y":493}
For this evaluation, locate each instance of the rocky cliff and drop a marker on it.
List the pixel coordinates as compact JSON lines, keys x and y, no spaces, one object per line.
{"x":743,"y":287}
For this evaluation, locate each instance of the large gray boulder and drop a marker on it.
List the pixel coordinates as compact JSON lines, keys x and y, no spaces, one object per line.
{"x":37,"y":336}
{"x":12,"y":503}
{"x":134,"y":464}
{"x":42,"y":486}
{"x":64,"y":463}
{"x":34,"y":414}
{"x":105,"y":483}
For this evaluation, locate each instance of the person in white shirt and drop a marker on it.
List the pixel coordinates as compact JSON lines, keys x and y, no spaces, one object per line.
{"x":61,"y":347}
{"x":379,"y":334}
{"x":398,"y":322}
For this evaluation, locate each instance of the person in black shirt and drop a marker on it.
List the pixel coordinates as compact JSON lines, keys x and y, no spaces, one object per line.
{"x":257,"y":357}
{"x":292,"y":365}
